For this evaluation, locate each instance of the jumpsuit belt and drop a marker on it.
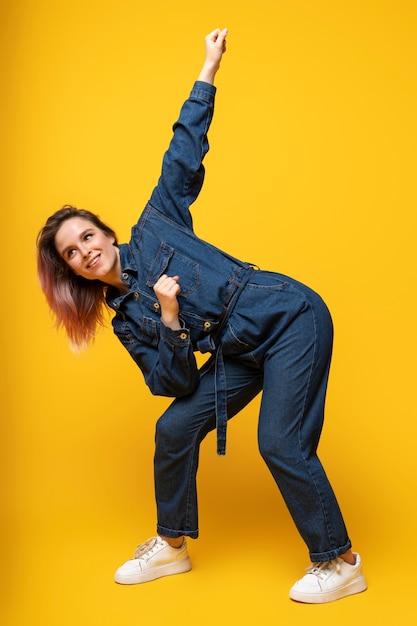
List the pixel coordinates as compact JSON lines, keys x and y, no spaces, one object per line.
{"x":212,"y":344}
{"x":220,"y":400}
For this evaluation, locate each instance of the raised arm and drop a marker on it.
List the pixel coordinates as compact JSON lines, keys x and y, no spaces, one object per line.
{"x":167,"y":288}
{"x":182,"y":172}
{"x":182,"y":166}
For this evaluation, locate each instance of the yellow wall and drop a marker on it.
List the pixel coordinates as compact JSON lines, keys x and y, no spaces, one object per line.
{"x":312,"y":173}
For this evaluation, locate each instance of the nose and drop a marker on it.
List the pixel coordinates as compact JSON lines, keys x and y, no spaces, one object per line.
{"x":85,"y":251}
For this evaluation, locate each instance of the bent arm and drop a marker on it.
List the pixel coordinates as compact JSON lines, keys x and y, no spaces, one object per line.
{"x":166,"y":359}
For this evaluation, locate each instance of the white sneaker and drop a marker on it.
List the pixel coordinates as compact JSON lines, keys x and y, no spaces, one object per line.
{"x":325,"y":582}
{"x":153,"y":559}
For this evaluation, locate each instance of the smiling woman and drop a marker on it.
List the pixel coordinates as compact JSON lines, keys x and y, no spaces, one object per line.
{"x":77,"y":252}
{"x":89,"y":251}
{"x":173,"y":295}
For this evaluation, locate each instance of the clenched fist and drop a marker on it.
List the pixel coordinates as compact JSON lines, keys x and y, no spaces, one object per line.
{"x":166,"y":290}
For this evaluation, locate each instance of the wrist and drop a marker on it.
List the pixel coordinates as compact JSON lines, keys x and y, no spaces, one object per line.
{"x":171,"y":321}
{"x":208,"y":71}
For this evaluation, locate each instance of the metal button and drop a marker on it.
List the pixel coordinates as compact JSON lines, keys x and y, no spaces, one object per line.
{"x":156,"y":305}
{"x":207,"y":325}
{"x":136,"y":295}
{"x":125,"y":276}
{"x":183,"y":336}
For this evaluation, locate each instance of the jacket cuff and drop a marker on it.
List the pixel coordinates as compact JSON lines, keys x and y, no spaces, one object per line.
{"x":203,"y":91}
{"x":179,"y":337}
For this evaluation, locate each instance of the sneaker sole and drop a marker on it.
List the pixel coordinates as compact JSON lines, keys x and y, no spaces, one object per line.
{"x":356,"y":586}
{"x":169,"y":569}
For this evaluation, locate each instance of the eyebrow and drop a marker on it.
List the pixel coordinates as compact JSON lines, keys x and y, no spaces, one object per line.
{"x":81,"y":235}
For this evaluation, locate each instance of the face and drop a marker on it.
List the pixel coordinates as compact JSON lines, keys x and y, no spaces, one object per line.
{"x":87,"y":250}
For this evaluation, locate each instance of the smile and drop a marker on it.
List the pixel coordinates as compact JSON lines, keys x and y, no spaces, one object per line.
{"x":94,"y":262}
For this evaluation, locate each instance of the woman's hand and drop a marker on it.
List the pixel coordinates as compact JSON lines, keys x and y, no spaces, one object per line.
{"x":215,"y":48}
{"x":166,"y":290}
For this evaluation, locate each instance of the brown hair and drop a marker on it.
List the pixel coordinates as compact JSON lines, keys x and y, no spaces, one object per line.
{"x":78,"y":304}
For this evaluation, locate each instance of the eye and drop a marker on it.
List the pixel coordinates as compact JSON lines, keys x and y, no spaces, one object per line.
{"x":70,"y":253}
{"x":88,"y":236}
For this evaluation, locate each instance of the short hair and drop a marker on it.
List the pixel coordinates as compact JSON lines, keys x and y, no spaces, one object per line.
{"x":78,"y":304}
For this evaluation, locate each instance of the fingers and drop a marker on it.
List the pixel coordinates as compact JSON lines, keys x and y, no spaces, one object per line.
{"x":167,"y":286}
{"x":218,"y":38}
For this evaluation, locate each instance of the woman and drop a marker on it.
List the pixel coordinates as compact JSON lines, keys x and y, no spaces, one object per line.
{"x":174,"y":294}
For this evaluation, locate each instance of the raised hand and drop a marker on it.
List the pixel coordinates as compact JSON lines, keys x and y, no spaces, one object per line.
{"x":215,"y":48}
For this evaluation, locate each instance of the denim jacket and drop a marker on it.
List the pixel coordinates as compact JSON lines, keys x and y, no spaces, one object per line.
{"x":163,"y":242}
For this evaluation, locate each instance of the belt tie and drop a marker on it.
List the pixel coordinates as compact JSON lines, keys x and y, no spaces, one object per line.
{"x":211,"y":344}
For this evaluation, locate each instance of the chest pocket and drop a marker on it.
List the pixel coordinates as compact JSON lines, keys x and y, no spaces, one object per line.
{"x":169,"y":262}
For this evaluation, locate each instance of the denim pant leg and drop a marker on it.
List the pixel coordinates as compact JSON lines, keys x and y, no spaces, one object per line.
{"x":295,"y":381}
{"x":179,"y":432}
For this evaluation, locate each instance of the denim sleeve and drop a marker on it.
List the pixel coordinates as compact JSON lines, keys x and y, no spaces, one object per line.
{"x":167,"y":361}
{"x":182,"y":173}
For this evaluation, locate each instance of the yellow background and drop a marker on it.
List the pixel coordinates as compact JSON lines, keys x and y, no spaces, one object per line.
{"x":312,"y":172}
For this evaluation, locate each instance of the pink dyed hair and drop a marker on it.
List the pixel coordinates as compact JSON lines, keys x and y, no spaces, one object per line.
{"x":77,"y":304}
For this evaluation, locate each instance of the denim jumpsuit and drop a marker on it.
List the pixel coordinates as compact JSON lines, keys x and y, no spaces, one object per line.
{"x":265,"y":332}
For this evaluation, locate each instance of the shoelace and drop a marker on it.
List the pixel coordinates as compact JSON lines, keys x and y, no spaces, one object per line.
{"x":322,"y":569}
{"x":149,"y":546}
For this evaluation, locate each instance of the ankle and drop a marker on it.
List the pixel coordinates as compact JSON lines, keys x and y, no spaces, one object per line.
{"x":349,"y":557}
{"x":174,"y":542}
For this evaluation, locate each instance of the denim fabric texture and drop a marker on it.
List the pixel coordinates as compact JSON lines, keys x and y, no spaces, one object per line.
{"x":265,"y":332}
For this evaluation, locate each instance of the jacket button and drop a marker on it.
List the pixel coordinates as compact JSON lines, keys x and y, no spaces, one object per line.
{"x":156,"y":305}
{"x":207,"y":325}
{"x":183,"y":336}
{"x":136,"y":295}
{"x":125,"y":276}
